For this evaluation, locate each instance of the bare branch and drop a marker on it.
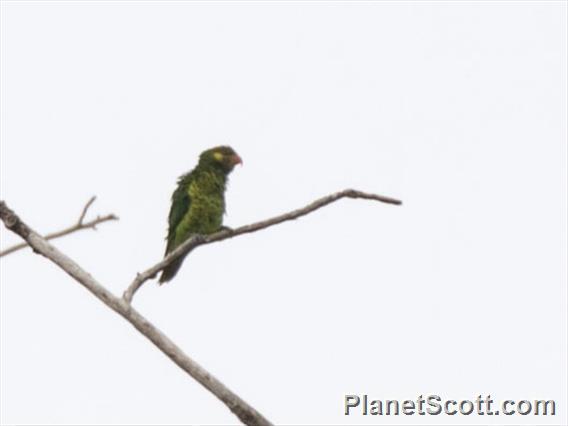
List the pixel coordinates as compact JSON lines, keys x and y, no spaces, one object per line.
{"x":84,"y":212}
{"x":79,"y":225}
{"x":240,"y":408}
{"x":199,"y":240}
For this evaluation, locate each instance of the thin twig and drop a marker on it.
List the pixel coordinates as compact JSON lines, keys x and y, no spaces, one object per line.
{"x":240,"y":408}
{"x":84,"y":212}
{"x":78,"y":226}
{"x":199,"y":240}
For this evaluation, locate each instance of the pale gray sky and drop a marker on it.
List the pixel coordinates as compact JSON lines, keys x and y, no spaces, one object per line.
{"x":457,"y":108}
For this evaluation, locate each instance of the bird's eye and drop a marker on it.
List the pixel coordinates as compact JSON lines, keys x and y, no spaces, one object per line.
{"x":218,"y":156}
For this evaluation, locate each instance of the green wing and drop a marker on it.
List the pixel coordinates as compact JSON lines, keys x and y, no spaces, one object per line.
{"x":180,"y":206}
{"x":181,"y":202}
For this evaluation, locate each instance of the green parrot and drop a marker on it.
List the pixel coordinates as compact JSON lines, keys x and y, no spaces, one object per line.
{"x":198,"y":203}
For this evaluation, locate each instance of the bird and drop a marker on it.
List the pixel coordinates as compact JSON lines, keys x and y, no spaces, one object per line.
{"x":198,"y":202}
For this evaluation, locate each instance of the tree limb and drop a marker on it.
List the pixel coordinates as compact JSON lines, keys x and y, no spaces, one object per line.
{"x":199,"y":240}
{"x":78,"y":226}
{"x":240,"y":408}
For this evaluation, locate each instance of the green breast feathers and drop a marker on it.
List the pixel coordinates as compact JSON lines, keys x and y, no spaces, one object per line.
{"x":198,"y":203}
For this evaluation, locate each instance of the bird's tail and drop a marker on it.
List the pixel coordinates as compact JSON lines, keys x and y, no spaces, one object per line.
{"x":170,"y":271}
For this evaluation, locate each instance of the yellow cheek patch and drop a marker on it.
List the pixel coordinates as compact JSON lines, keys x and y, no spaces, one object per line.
{"x":218,"y":156}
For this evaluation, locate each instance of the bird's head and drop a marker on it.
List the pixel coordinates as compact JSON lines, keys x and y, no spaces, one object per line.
{"x":223,"y":157}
